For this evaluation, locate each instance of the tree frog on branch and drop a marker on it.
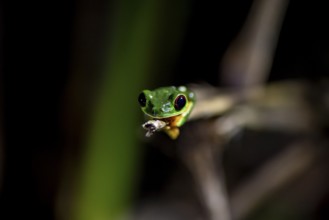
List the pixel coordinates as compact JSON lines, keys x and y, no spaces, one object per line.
{"x":167,"y":108}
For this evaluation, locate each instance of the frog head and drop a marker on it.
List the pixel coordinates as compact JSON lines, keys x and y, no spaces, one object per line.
{"x":166,"y":102}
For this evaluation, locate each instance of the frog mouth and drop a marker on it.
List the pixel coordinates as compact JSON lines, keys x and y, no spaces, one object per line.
{"x":172,"y":121}
{"x":165,"y":117}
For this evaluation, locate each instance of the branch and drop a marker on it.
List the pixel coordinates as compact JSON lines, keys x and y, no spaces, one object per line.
{"x":249,"y":58}
{"x":271,"y":177}
{"x":199,"y":151}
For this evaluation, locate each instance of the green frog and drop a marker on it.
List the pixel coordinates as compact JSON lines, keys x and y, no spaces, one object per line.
{"x":169,"y":105}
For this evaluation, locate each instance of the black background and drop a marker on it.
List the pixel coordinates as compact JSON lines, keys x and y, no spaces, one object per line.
{"x":36,"y":52}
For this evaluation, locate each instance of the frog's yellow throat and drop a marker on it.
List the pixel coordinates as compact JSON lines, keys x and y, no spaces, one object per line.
{"x":172,"y":132}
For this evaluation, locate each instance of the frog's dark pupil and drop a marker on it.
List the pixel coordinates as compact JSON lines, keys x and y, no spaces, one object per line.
{"x":180,"y":102}
{"x":142,"y":99}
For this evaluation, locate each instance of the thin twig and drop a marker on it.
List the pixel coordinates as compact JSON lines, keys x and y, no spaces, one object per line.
{"x":275,"y":174}
{"x":279,"y":106}
{"x":249,"y":58}
{"x":200,"y":154}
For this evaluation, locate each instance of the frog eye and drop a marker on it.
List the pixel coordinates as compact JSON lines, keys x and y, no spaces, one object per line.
{"x":142,"y":99}
{"x":180,"y":102}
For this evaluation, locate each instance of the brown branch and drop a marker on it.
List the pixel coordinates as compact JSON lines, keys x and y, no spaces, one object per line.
{"x":199,"y":152}
{"x":249,"y":58}
{"x":279,"y":106}
{"x":271,"y":177}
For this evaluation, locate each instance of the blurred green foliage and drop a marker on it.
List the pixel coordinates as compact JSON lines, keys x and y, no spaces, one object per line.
{"x":109,"y":166}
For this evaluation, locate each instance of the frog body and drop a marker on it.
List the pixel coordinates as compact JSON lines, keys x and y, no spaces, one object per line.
{"x":170,"y":104}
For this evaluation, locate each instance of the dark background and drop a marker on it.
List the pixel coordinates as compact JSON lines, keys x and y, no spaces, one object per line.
{"x":36,"y":58}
